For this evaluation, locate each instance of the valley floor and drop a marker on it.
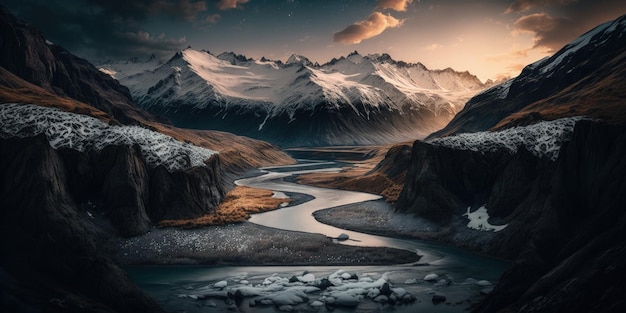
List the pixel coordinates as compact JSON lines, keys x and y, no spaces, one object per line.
{"x":248,"y":244}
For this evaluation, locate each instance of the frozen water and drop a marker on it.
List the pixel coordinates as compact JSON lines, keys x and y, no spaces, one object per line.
{"x":81,"y":132}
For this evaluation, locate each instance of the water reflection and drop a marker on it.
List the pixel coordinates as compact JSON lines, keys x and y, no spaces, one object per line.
{"x":177,"y":288}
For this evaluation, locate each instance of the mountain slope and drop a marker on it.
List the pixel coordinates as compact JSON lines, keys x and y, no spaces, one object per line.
{"x":26,"y":53}
{"x":549,"y":193}
{"x":352,"y":100}
{"x":586,"y":77}
{"x":73,"y":175}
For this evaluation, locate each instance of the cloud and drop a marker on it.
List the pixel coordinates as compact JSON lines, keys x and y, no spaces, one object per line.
{"x":549,"y":32}
{"x":140,"y":9}
{"x":398,"y":5}
{"x":212,"y":19}
{"x":107,"y":28}
{"x":515,"y":54}
{"x":373,"y":26}
{"x":433,"y":46}
{"x":143,"y":42}
{"x":230,"y":4}
{"x":525,"y":5}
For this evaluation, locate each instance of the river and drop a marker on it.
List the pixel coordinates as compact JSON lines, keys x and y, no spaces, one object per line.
{"x":462,"y":275}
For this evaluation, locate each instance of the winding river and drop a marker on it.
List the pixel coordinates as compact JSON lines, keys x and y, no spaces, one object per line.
{"x":460,"y":269}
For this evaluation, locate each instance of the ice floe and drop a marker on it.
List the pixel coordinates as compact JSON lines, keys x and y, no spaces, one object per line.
{"x":82,"y":132}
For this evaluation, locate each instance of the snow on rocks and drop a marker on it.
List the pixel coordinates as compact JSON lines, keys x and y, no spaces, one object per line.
{"x":543,"y":139}
{"x":82,"y":132}
{"x":286,"y":295}
{"x":431,"y":277}
{"x":479,"y":220}
{"x":220,"y":284}
{"x":483,"y":283}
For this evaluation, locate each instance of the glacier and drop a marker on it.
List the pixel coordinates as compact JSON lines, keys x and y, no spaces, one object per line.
{"x":81,"y":132}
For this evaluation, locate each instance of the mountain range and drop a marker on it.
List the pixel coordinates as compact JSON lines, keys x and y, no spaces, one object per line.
{"x":352,"y":100}
{"x":541,"y":156}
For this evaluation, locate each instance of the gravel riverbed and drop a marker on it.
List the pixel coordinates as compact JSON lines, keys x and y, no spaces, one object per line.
{"x":247,"y":244}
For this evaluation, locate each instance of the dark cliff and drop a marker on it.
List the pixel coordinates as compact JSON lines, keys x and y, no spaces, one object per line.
{"x":119,"y":183}
{"x":25,"y":52}
{"x":566,"y":228}
{"x":54,"y":259}
{"x":575,"y":253}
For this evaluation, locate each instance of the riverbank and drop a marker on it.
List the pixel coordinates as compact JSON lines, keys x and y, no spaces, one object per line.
{"x":379,"y":218}
{"x":248,"y":244}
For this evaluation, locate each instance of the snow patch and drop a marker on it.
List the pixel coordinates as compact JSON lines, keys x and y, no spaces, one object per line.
{"x":108,"y":71}
{"x":82,"y":132}
{"x":479,"y":220}
{"x":543,"y":139}
{"x":575,"y":45}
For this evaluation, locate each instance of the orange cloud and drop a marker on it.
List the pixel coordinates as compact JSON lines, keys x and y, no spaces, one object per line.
{"x":373,"y":26}
{"x":230,"y":4}
{"x":525,"y":5}
{"x":398,"y":5}
{"x":433,"y":46}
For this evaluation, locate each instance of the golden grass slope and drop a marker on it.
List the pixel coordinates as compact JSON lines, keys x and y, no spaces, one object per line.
{"x":236,"y":207}
{"x":237,"y":153}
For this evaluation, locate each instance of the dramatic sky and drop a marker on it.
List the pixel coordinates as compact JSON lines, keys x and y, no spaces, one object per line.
{"x":489,"y":38}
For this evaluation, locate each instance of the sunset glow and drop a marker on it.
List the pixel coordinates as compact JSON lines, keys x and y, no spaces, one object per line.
{"x":489,"y":38}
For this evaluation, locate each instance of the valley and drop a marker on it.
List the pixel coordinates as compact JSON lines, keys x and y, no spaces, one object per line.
{"x":211,"y":182}
{"x":460,"y":271}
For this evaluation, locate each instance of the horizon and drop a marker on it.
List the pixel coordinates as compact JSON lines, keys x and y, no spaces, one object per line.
{"x":488,"y":38}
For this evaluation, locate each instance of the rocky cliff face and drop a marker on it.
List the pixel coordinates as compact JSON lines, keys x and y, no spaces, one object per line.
{"x":564,"y":217}
{"x":576,"y":247}
{"x":25,"y":52}
{"x":135,"y":196}
{"x":55,"y":259}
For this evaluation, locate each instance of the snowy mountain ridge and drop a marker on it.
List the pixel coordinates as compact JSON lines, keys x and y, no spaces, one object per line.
{"x":228,"y":79}
{"x":564,"y":58}
{"x":232,"y":85}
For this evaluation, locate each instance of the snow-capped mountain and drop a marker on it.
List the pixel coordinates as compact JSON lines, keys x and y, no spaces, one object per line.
{"x":586,"y":77}
{"x":351,"y":100}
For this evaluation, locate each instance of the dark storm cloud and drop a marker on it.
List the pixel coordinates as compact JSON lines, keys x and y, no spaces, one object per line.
{"x":554,"y":23}
{"x":99,"y":28}
{"x":550,"y":32}
{"x":140,"y":9}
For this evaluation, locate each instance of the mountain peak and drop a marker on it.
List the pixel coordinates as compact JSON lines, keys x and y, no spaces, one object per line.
{"x":295,"y":58}
{"x":233,"y":58}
